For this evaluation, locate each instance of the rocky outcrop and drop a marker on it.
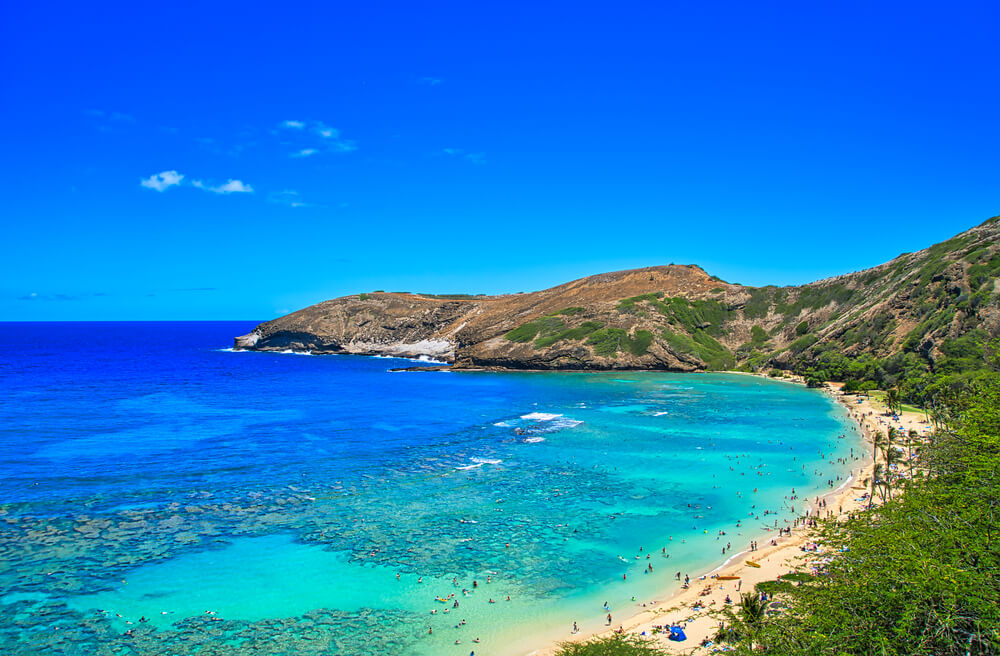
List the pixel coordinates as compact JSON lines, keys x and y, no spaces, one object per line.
{"x":675,"y":317}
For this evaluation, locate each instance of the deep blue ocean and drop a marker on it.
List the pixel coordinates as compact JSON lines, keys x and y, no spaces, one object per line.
{"x":162,"y":494}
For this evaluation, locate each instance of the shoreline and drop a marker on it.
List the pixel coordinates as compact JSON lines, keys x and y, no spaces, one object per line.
{"x":777,"y":557}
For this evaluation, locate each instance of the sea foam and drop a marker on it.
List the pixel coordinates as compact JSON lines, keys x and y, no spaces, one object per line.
{"x":540,"y":416}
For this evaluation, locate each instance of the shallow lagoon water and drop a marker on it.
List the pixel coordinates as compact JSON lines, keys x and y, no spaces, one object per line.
{"x":148,"y":472}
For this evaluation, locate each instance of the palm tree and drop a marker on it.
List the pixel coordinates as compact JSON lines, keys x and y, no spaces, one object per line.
{"x":876,"y":472}
{"x":913,"y":436}
{"x":753,"y":609}
{"x":889,"y":453}
{"x":745,"y":625}
{"x":893,"y":400}
{"x":891,"y":456}
{"x":878,"y":439}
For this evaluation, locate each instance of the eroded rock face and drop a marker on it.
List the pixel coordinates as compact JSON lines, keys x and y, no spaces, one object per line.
{"x":377,"y":324}
{"x":470,"y":332}
{"x":675,"y":318}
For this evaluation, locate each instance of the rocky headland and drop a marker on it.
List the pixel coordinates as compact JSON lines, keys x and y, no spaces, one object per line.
{"x":674,"y":317}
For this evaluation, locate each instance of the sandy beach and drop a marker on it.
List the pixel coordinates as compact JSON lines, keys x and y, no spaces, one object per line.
{"x":695,"y":607}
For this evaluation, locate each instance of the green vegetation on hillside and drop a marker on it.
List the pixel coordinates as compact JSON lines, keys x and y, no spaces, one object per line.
{"x":715,"y":356}
{"x":764,"y":300}
{"x":544,"y":326}
{"x":578,"y":333}
{"x":703,"y":314}
{"x":761,"y":300}
{"x":702,"y":319}
{"x":549,"y":329}
{"x":608,"y":341}
{"x":814,"y":297}
{"x":847,"y":329}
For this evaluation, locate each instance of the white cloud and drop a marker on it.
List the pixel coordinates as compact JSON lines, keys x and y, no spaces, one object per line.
{"x":344,"y":146}
{"x":162,"y":181}
{"x":327,"y":132}
{"x":288,"y":197}
{"x":451,"y":151}
{"x":231,"y":187}
{"x":430,"y":81}
{"x":319,"y":138}
{"x":476,"y":158}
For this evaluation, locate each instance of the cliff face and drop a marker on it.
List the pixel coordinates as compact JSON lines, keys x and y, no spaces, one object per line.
{"x":669,"y":317}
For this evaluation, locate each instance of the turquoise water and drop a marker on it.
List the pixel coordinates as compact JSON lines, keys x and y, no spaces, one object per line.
{"x":270,"y":504}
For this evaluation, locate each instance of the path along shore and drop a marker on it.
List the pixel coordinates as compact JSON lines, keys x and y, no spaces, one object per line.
{"x":776,"y":556}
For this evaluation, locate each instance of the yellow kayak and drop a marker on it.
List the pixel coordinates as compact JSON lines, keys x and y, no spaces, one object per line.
{"x":753,"y":564}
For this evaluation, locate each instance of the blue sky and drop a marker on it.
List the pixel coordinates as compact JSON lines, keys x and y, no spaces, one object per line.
{"x":238,"y":161}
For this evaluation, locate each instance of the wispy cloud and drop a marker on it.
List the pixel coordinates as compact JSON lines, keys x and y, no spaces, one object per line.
{"x":429,"y":81}
{"x":162,"y":181}
{"x":230,"y":187}
{"x":473,"y":158}
{"x":315,"y":137}
{"x":35,"y":296}
{"x":166,"y":179}
{"x":109,"y":121}
{"x":331,"y":138}
{"x":327,"y":132}
{"x":115,"y":117}
{"x":289,"y":198}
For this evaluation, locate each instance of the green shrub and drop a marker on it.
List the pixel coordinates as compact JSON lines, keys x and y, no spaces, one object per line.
{"x":618,"y":644}
{"x":802,"y":343}
{"x":547,"y":325}
{"x":759,"y":304}
{"x":851,"y":386}
{"x":814,"y":297}
{"x":802,"y":328}
{"x":578,"y":333}
{"x":608,"y":341}
{"x":631,"y":305}
{"x":640,"y":342}
{"x":363,"y":297}
{"x":980,"y":274}
{"x":715,"y":356}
